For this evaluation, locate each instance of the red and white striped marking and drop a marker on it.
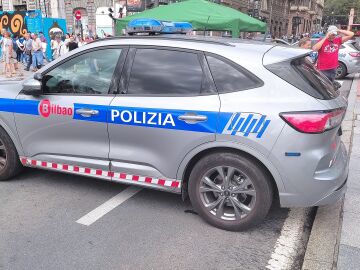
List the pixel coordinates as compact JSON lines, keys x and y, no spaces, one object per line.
{"x":100,"y":173}
{"x":144,"y":179}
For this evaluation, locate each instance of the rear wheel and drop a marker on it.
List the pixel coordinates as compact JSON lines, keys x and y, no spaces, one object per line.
{"x":341,"y":71}
{"x":9,"y":159}
{"x":230,"y":191}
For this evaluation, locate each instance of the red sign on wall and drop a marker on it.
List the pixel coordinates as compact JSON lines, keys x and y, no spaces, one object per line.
{"x":78,"y":14}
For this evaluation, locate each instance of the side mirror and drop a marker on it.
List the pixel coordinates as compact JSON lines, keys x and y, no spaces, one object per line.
{"x":32,"y":87}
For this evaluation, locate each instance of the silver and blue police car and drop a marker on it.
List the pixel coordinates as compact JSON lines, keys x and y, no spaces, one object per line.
{"x":235,"y":125}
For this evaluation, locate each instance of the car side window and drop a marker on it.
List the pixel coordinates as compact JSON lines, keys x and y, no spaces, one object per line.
{"x":165,"y":72}
{"x":88,"y":73}
{"x":230,"y":78}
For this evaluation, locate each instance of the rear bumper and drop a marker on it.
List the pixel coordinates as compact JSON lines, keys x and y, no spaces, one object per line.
{"x":334,"y":196}
{"x":326,"y":187}
{"x":353,"y":66}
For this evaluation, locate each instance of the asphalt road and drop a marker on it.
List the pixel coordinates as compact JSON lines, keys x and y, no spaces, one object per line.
{"x":150,"y":230}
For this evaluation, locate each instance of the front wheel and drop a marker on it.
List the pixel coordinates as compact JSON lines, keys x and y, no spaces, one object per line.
{"x":230,"y":191}
{"x":9,"y":159}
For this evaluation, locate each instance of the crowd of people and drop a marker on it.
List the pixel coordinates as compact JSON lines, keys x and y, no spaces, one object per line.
{"x":294,"y":38}
{"x":30,"y":50}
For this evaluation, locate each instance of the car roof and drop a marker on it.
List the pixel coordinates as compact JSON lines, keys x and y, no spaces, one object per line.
{"x":203,"y":43}
{"x":247,"y":53}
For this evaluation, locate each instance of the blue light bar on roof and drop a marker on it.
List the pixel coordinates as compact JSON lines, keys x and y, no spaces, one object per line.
{"x":153,"y":26}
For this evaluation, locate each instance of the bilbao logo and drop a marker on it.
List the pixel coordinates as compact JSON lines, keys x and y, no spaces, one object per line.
{"x":46,"y":108}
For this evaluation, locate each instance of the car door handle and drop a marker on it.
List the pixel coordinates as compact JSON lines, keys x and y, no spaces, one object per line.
{"x":192,"y":118}
{"x":87,"y":112}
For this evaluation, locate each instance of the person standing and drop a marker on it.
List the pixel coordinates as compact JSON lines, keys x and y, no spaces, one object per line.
{"x":305,"y":43}
{"x":43,"y":46}
{"x":65,"y":47}
{"x":56,"y":45}
{"x":37,"y":54}
{"x":8,"y":55}
{"x":28,"y":51}
{"x":81,"y":42}
{"x":2,"y":38}
{"x":19,"y":48}
{"x":328,"y":51}
{"x":72,"y":44}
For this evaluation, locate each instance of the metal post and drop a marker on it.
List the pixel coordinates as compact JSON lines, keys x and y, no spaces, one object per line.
{"x":126,"y":6}
{"x":113,"y":21}
{"x":81,"y":30}
{"x":45,"y":8}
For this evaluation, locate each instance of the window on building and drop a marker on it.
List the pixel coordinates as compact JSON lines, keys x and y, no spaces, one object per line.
{"x":265,"y":4}
{"x":20,"y":7}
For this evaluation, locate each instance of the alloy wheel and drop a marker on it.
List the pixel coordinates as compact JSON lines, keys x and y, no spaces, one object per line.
{"x":227,"y":193}
{"x":3,"y":155}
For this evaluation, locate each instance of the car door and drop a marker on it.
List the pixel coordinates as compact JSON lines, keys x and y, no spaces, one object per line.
{"x":68,"y":123}
{"x":168,"y":106}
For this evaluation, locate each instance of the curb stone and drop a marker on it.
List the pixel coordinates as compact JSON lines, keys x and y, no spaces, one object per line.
{"x":323,"y":246}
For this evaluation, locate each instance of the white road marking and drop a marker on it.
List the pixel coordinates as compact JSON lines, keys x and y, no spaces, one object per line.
{"x":290,"y":241}
{"x":109,"y":205}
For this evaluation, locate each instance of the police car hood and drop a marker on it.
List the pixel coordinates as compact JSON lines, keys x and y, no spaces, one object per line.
{"x":10,"y":89}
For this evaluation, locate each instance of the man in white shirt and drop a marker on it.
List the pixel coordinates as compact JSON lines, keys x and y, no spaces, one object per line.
{"x":37,"y":54}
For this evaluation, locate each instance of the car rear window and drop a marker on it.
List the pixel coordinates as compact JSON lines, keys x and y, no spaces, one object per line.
{"x":314,"y":78}
{"x":300,"y":72}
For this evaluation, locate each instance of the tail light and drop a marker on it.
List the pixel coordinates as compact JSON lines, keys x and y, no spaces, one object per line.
{"x":355,"y":54}
{"x":314,"y":121}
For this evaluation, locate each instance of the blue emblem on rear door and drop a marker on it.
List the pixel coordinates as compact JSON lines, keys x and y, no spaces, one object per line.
{"x":244,"y":124}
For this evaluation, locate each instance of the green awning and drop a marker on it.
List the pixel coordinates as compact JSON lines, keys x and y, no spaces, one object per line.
{"x":202,"y":14}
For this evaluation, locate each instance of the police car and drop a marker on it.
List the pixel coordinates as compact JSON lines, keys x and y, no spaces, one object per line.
{"x":234,"y":125}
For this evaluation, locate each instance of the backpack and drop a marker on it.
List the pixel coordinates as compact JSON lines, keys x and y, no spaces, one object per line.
{"x":15,"y":46}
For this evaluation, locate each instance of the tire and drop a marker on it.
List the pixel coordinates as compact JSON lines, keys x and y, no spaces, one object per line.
{"x":248,"y":185}
{"x":341,"y":71}
{"x":10,"y":164}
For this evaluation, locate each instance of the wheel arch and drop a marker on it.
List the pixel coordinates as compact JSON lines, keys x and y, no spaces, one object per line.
{"x":12,"y":134}
{"x":196,"y":154}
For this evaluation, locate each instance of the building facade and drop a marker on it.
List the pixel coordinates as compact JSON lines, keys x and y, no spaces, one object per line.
{"x":275,"y":13}
{"x":305,"y":16}
{"x":63,"y":9}
{"x":284,"y":17}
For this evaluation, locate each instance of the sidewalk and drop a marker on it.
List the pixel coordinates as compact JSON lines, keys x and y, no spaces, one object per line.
{"x":17,"y":77}
{"x":349,"y":248}
{"x":326,"y":233}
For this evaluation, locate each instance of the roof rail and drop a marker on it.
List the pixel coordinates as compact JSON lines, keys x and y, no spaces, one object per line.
{"x":203,"y":39}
